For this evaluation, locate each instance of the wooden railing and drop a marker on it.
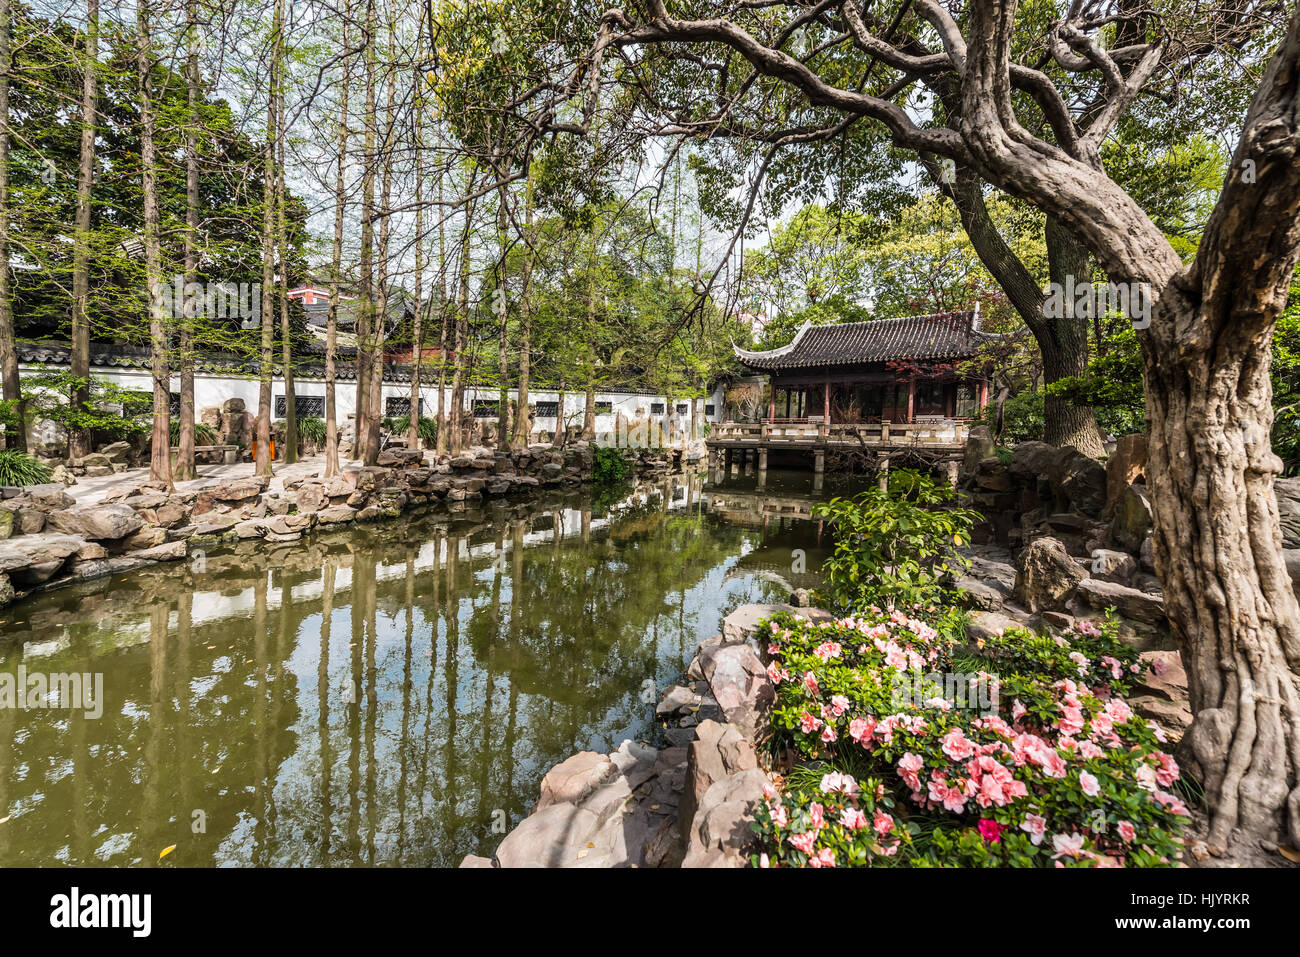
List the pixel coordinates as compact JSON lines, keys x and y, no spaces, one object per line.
{"x":946,"y":432}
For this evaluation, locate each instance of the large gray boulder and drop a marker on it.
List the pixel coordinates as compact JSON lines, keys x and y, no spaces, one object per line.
{"x":979,"y":446}
{"x":1032,"y":459}
{"x":719,"y":750}
{"x":1079,"y":480}
{"x":1125,"y":466}
{"x":1129,"y":602}
{"x":721,"y":833}
{"x":99,"y":523}
{"x":740,"y":685}
{"x":1046,"y":575}
{"x":1131,"y":520}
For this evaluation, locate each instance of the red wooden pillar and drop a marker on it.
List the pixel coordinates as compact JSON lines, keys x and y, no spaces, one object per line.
{"x":771,"y":409}
{"x":984,"y":392}
{"x":911,"y":399}
{"x":826,"y":401}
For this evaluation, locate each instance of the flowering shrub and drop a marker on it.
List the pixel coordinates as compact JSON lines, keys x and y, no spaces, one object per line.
{"x":1051,"y":771}
{"x":1089,"y":652}
{"x":895,"y":546}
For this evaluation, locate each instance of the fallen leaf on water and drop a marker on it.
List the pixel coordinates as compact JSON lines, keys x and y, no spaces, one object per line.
{"x":1290,"y":853}
{"x":166,"y":851}
{"x":5,"y":818}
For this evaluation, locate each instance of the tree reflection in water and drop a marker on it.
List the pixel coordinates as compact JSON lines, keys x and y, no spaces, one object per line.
{"x":380,"y":696}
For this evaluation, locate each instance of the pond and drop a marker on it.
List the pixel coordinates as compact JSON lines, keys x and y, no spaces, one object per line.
{"x":389,"y":695}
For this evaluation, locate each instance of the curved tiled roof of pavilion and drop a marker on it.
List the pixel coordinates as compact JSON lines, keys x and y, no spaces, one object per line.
{"x":942,"y":336}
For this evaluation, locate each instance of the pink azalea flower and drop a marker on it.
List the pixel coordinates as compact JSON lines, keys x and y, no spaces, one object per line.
{"x":1127,"y":832}
{"x":839,"y":704}
{"x":908,"y":768}
{"x":1067,"y":845}
{"x":779,"y":816}
{"x":1167,"y":773}
{"x":862,"y":729}
{"x":803,"y":842}
{"x":1035,"y":825}
{"x":774,"y":673}
{"x":882,"y":823}
{"x":824,"y":858}
{"x":1088,"y":784}
{"x":828,"y":734}
{"x":817,"y":814}
{"x":853,"y":819}
{"x":1171,"y":803}
{"x":808,"y":724}
{"x":956,"y":745}
{"x":810,"y":682}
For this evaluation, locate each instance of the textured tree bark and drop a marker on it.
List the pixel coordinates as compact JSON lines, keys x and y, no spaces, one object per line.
{"x":417,"y":332}
{"x":289,"y":454}
{"x":183,"y":468}
{"x":1063,"y":342}
{"x":523,"y":419}
{"x":160,"y":449}
{"x":336,"y":262}
{"x":365,"y":284}
{"x":375,"y":413}
{"x":1226,"y":587}
{"x":15,"y":438}
{"x":79,"y":365}
{"x":266,"y":366}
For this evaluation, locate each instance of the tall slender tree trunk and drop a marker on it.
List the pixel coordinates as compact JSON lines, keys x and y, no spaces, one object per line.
{"x":417,"y":329}
{"x":376,"y":411}
{"x":365,"y":284}
{"x":289,"y":455}
{"x":332,"y":322}
{"x":557,"y":440}
{"x":160,"y":447}
{"x":183,"y":468}
{"x":589,"y":410}
{"x":1064,"y":346}
{"x":456,"y":439}
{"x":503,"y":332}
{"x":79,"y":439}
{"x":17,"y":437}
{"x":522,"y":417}
{"x":440,"y":441}
{"x":267,"y":371}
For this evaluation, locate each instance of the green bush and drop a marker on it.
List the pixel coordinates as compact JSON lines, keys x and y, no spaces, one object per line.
{"x":203,"y":434}
{"x":609,"y":466}
{"x":312,"y":427}
{"x":1022,"y":418}
{"x":894,"y":548}
{"x":400,"y":425}
{"x":19,"y":468}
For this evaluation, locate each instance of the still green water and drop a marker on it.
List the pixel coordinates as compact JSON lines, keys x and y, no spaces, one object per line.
{"x":388,"y":695}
